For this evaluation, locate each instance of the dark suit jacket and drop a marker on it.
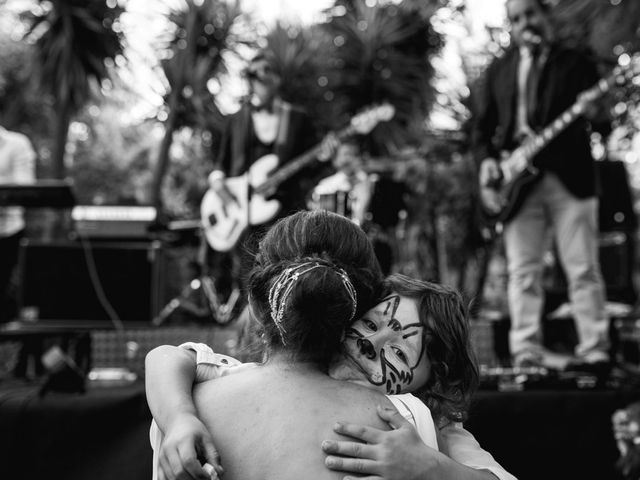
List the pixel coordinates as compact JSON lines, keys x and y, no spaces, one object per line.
{"x":565,"y":74}
{"x":237,"y":151}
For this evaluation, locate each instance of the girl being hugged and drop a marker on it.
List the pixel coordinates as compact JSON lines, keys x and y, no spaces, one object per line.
{"x":314,"y":289}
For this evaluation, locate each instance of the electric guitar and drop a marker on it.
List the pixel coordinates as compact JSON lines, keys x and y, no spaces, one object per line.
{"x":500,"y":201}
{"x":223,"y":224}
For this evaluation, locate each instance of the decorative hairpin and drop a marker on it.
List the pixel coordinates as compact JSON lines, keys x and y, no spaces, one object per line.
{"x":282,"y":287}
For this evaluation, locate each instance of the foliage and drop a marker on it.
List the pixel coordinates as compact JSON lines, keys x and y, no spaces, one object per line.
{"x":111,"y":160}
{"x":74,"y":40}
{"x":298,"y":55}
{"x":363,"y":54}
{"x":21,"y":104}
{"x":382,"y":53}
{"x":599,"y":25}
{"x":202,"y":34}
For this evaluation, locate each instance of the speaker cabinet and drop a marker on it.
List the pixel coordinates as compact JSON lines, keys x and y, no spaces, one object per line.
{"x":84,"y":281}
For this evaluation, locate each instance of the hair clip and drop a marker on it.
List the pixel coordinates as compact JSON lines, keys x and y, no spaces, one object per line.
{"x":282,"y":287}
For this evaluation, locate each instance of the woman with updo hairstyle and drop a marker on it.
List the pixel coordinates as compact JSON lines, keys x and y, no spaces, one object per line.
{"x":337,"y":279}
{"x":314,"y":273}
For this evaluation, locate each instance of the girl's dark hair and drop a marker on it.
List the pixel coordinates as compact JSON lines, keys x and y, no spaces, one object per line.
{"x":319,"y":306}
{"x":454,"y":370}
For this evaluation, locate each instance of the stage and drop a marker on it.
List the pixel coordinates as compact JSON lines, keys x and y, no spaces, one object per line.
{"x":103,"y":433}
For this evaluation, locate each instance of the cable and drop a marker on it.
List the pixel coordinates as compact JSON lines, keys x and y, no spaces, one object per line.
{"x":97,"y":284}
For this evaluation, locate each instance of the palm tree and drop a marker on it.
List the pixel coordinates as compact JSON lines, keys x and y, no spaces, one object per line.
{"x":203,"y":33}
{"x":599,"y":25}
{"x":381,"y":53}
{"x":299,"y":56}
{"x":75,"y":41}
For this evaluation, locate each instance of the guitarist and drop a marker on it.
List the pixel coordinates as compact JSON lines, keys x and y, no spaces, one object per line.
{"x":524,"y":90}
{"x":265,"y":124}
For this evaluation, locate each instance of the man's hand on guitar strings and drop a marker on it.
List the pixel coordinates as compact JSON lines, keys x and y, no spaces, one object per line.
{"x":223,"y":193}
{"x":489,"y":178}
{"x":490,"y":172}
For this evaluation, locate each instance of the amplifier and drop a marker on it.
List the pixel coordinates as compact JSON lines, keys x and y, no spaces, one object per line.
{"x":625,"y":340}
{"x":113,"y":221}
{"x":81,"y":281}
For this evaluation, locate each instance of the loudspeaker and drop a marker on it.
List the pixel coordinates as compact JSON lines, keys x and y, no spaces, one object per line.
{"x":78,"y":281}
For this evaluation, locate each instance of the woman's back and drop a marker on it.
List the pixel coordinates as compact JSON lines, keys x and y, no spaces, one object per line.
{"x":269,"y":422}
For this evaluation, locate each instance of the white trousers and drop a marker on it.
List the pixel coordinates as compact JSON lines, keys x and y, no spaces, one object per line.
{"x":551,"y":212}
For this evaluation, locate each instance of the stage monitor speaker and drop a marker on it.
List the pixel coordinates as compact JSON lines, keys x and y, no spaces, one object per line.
{"x":72,"y":281}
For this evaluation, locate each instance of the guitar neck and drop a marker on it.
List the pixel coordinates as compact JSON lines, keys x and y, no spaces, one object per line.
{"x":531,"y":147}
{"x":307,"y":158}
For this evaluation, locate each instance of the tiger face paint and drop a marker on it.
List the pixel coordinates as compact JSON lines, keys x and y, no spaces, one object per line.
{"x":385,"y":348}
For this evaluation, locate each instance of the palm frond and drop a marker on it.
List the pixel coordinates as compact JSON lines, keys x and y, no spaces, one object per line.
{"x":599,"y":25}
{"x":202,"y":34}
{"x":296,"y":55}
{"x":382,"y":53}
{"x":73,"y":41}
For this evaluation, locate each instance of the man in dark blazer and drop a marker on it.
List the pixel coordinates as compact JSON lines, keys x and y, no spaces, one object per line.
{"x":524,"y":91}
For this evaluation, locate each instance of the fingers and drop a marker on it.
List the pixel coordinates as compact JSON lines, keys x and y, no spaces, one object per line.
{"x":393,"y":417}
{"x":212,"y":458}
{"x":213,"y":473}
{"x":349,"y":449}
{"x":187,"y":466}
{"x":354,"y":465}
{"x":361,"y":432}
{"x":162,"y":468}
{"x":177,"y":465}
{"x":328,"y":147}
{"x":489,"y":171}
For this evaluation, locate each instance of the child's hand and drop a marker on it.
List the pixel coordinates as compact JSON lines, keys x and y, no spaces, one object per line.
{"x":186,"y":446}
{"x":395,"y":454}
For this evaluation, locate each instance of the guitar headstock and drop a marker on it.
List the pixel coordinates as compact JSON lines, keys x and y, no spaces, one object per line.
{"x":366,"y":120}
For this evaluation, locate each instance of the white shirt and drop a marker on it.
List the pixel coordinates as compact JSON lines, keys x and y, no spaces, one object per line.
{"x":17,"y":165}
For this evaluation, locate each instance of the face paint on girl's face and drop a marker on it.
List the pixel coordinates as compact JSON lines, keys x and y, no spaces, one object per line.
{"x":385,"y":348}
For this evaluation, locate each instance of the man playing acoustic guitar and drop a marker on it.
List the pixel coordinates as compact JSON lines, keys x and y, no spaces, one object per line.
{"x":532,"y":84}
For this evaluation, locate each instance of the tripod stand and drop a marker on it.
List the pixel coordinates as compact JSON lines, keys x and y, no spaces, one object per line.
{"x":199,"y":290}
